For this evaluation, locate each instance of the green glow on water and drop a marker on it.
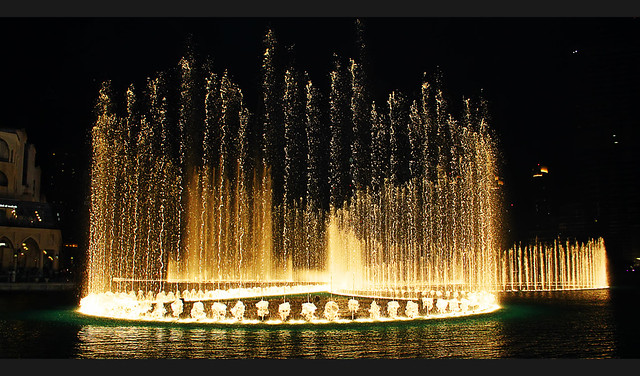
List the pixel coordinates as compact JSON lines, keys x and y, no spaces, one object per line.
{"x":586,"y":324}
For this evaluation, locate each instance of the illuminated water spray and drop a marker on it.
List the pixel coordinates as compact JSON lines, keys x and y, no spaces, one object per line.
{"x":198,"y":203}
{"x":557,"y":266}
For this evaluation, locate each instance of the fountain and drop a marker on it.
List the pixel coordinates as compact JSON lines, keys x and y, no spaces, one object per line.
{"x":392,"y":309}
{"x":238,"y":311}
{"x":331,"y":310}
{"x":284,"y":310}
{"x":176,"y":308}
{"x":197,"y":311}
{"x":263,"y":309}
{"x":557,"y":266}
{"x":411,"y":310}
{"x":374,"y":310}
{"x":371,"y":202}
{"x":353,"y":305}
{"x":308,"y":311}
{"x":218,"y":310}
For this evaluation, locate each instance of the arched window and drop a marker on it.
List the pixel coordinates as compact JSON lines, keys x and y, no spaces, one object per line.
{"x":28,"y":254}
{"x":6,"y":254}
{"x":3,"y":180}
{"x":4,"y":151}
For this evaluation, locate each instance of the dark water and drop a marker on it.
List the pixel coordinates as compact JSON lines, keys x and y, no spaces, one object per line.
{"x":575,"y":325}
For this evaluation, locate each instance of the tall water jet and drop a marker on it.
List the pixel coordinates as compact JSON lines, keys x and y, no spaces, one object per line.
{"x":394,"y":200}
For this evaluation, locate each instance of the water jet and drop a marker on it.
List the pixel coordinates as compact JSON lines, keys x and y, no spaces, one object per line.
{"x":196,"y":203}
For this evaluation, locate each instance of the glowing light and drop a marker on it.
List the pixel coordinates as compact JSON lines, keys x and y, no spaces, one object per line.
{"x":331,"y":310}
{"x":392,"y":309}
{"x":411,"y":309}
{"x":556,"y":266}
{"x":263,"y":308}
{"x":212,"y":218}
{"x":168,"y":307}
{"x":284,"y":310}
{"x":308,"y":311}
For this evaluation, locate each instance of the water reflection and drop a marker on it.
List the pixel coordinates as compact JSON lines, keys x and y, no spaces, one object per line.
{"x":571,"y":324}
{"x":586,"y":324}
{"x":447,"y":339}
{"x":24,"y":335}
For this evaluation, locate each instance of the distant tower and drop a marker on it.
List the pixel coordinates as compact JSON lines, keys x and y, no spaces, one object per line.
{"x":541,"y":212}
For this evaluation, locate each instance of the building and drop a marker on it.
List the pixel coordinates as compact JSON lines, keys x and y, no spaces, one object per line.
{"x":543,"y":226}
{"x":30,"y":239}
{"x":65,"y":176}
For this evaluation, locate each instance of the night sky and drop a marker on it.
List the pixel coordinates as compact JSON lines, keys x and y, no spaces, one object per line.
{"x":52,"y":67}
{"x":545,"y":79}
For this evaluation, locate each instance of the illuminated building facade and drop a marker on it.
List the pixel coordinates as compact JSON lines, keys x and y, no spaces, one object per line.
{"x":30,"y":239}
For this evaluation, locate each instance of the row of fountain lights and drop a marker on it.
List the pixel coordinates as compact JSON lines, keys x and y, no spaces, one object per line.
{"x":146,"y":306}
{"x":331,"y":309}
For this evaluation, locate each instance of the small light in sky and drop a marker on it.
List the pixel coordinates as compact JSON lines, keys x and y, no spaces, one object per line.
{"x":575,"y":51}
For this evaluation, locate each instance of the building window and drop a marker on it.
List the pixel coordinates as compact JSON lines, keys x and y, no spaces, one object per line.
{"x":4,"y":151}
{"x":6,"y":254}
{"x":28,"y":255}
{"x":4,"y":182}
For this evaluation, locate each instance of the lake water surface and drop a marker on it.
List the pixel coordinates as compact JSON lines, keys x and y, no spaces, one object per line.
{"x":575,"y":325}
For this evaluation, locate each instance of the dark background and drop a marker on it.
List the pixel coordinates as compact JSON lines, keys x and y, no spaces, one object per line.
{"x":562,"y":92}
